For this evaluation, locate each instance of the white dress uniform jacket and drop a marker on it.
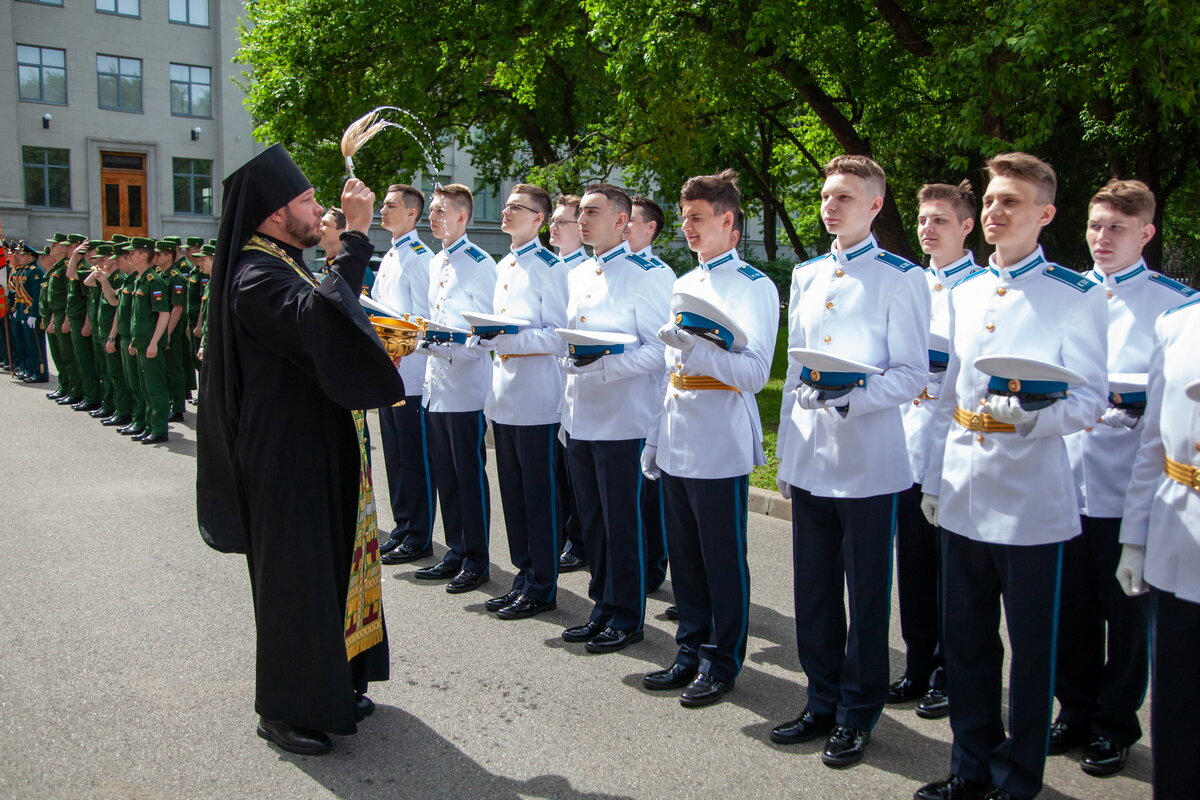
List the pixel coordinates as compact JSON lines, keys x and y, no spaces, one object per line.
{"x":1102,"y":456}
{"x":574,"y":258}
{"x":1161,"y":514}
{"x":715,"y":433}
{"x":618,"y":291}
{"x":527,"y":379}
{"x":918,"y":413}
{"x":1017,"y":487}
{"x":872,"y":306}
{"x":461,"y":278}
{"x":403,"y":285}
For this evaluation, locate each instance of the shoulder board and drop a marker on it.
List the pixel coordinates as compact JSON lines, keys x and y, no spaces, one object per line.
{"x":1188,"y":304}
{"x":750,"y":272}
{"x":975,"y":274}
{"x":821,"y":257}
{"x":893,"y":260}
{"x":658,"y":262}
{"x":1070,"y":277}
{"x":549,"y":258}
{"x":1182,"y":288}
{"x":417,"y":247}
{"x":475,"y":253}
{"x":641,"y":261}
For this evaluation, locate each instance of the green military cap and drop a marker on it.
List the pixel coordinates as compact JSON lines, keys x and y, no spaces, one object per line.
{"x":76,"y":238}
{"x":166,"y":246}
{"x":105,"y":249}
{"x":95,"y":243}
{"x":141,"y":243}
{"x":194,"y":241}
{"x":208,"y":250}
{"x":213,"y":242}
{"x":57,"y":238}
{"x":119,"y":238}
{"x":46,"y":250}
{"x":174,"y":239}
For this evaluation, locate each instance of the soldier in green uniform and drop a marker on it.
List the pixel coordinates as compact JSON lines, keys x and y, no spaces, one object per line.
{"x":58,"y":329}
{"x":197,"y":289}
{"x":100,"y":257}
{"x":126,"y":296}
{"x":151,"y":316}
{"x":106,"y":280}
{"x":81,"y":331}
{"x":192,"y":251}
{"x":165,"y":259}
{"x":33,"y":347}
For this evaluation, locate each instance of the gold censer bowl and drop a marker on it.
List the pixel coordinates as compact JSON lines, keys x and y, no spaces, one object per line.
{"x":399,"y":336}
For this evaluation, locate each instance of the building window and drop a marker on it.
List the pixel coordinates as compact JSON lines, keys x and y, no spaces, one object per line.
{"x":47,"y":177}
{"x":45,"y":2}
{"x":120,"y":82}
{"x":42,"y":74}
{"x":191,"y":91}
{"x":188,"y":12}
{"x":124,"y":8}
{"x":193,"y":186}
{"x":487,"y":204}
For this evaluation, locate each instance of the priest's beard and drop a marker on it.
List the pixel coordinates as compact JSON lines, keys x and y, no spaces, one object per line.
{"x":298,"y":232}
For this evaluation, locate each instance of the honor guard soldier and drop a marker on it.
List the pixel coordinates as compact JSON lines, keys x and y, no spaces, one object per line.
{"x":403,"y":285}
{"x":1001,"y":487}
{"x":1103,"y":662}
{"x":166,"y":264}
{"x":461,"y":278}
{"x":109,"y":281}
{"x":610,"y":405}
{"x":708,"y":437}
{"x":58,"y":327}
{"x":197,"y":282}
{"x":84,"y":355}
{"x":1159,"y":545}
{"x":33,"y":337}
{"x":945,"y":215}
{"x":524,"y":404}
{"x":99,"y":257}
{"x":151,"y":316}
{"x":126,"y":298}
{"x":564,"y":235}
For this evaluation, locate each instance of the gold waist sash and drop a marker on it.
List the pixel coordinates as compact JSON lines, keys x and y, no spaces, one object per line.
{"x":523,"y":355}
{"x":1182,"y":473}
{"x":978,"y":421}
{"x":700,"y":382}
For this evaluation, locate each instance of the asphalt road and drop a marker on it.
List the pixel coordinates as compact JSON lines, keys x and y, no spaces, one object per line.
{"x":127,"y":647}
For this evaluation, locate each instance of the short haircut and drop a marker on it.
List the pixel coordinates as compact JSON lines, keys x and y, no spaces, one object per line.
{"x":1027,"y":168}
{"x":568,"y":201}
{"x":339,"y":217}
{"x":614,"y":195}
{"x":651,"y":211}
{"x":1132,"y":198}
{"x":410,"y":196}
{"x":863,"y":166}
{"x":540,"y":197}
{"x":720,"y":191}
{"x":961,"y":197}
{"x":458,"y":195}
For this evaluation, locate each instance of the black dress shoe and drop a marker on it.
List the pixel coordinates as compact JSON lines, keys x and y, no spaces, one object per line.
{"x":582,"y":633}
{"x":1064,"y":736}
{"x":363,"y":707}
{"x":997,"y":794}
{"x":115,"y":421}
{"x":69,"y":400}
{"x":84,"y":405}
{"x":845,"y":746}
{"x":131,"y":430}
{"x":672,"y":612}
{"x":390,"y":544}
{"x":568,"y":562}
{"x":176,"y":417}
{"x":610,"y":640}
{"x":704,"y":690}
{"x":439,"y":571}
{"x":951,"y":787}
{"x":100,"y":413}
{"x":57,"y":393}
{"x":1102,"y":756}
{"x":465,"y":581}
{"x":934,"y":705}
{"x":404,"y":553}
{"x":673,"y":677}
{"x":305,"y":741}
{"x":904,"y":691}
{"x":34,"y":379}
{"x":524,"y":607}
{"x":154,"y":438}
{"x":497,"y":603}
{"x":804,"y":728}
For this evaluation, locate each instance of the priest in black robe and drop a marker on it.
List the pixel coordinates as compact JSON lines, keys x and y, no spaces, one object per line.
{"x":281,"y":473}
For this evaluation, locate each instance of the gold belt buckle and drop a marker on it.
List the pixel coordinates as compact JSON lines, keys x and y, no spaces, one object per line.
{"x":1196,"y":478}
{"x":975,"y":422}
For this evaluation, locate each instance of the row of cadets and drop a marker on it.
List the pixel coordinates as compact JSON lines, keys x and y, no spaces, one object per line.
{"x":462,"y":277}
{"x":26,"y":337}
{"x":945,"y":216}
{"x":858,"y":340}
{"x":617,"y":303}
{"x":403,"y":284}
{"x":525,"y":399}
{"x":1001,"y":487}
{"x":706,"y":438}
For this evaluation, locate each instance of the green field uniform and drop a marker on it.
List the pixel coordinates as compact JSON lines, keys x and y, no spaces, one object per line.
{"x":179,"y":359}
{"x":150,"y":299}
{"x":85,"y":356}
{"x":197,"y":283}
{"x":129,"y":363}
{"x":54,"y":293}
{"x":95,"y":299}
{"x":121,"y":400}
{"x":186,"y":350}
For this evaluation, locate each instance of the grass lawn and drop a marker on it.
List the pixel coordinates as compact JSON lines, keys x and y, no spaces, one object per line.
{"x":768,"y":409}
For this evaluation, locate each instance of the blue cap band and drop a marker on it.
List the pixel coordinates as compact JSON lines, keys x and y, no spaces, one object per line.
{"x":483,"y":329}
{"x":937,"y":358}
{"x":1014,"y":386}
{"x":596,"y":349}
{"x":1126,"y":397}
{"x":445,"y":336}
{"x":832,"y":380}
{"x":689,"y":319}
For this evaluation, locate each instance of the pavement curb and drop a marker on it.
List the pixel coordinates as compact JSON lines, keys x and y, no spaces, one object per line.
{"x":772,"y":504}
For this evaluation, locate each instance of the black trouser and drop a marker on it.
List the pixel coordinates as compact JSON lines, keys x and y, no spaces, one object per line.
{"x":654,"y":519}
{"x":1101,"y":688}
{"x":839,"y":544}
{"x":405,"y":435}
{"x":975,"y":577}
{"x":1175,"y":706}
{"x":571,"y":536}
{"x":525,"y":467}
{"x":917,"y":579}
{"x":458,"y":455}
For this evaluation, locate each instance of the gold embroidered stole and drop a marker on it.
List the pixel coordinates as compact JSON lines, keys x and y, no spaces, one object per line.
{"x":364,"y":599}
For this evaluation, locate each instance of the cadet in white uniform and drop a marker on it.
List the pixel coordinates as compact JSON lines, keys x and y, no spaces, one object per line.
{"x":1159,"y":534}
{"x":842,"y":460}
{"x":403,"y":285}
{"x":1103,"y":663}
{"x":945,"y":216}
{"x":457,"y":378}
{"x":1005,"y":498}
{"x":707,"y":440}
{"x":524,"y":405}
{"x":608,"y":411}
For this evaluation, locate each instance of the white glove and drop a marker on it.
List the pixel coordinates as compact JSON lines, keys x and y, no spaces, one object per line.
{"x":483,"y":345}
{"x":1119,"y":418}
{"x":649,"y":465}
{"x":809,"y":398}
{"x":436,"y":349}
{"x":929,"y":507}
{"x":784,"y":488}
{"x":593,"y":366}
{"x":1131,"y":568}
{"x":1008,"y":409}
{"x":32,"y":323}
{"x":674,"y":336}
